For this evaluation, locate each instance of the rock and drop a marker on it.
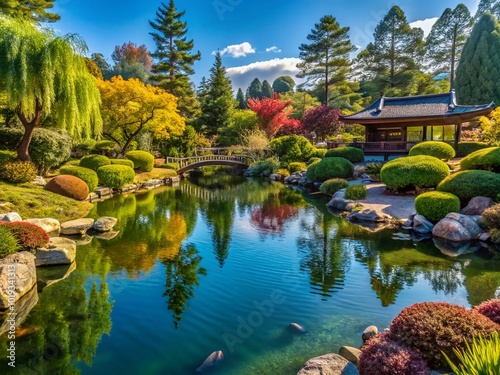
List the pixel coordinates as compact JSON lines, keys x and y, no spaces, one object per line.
{"x":39,"y":180}
{"x":51,"y":275}
{"x":10,"y":217}
{"x":422,"y":225}
{"x":211,"y":361}
{"x":275,"y":177}
{"x":22,"y":308}
{"x":297,"y":328}
{"x":454,"y":248}
{"x":350,"y":353}
{"x":339,"y":203}
{"x":369,"y":332}
{"x":369,"y":215}
{"x":328,"y":364}
{"x":485,"y":237}
{"x":107,"y":235}
{"x":19,"y":267}
{"x":82,"y":240}
{"x":79,"y":226}
{"x":469,"y":224}
{"x":104,"y":224}
{"x":477,"y":205}
{"x":104,"y":192}
{"x":408,"y":223}
{"x":59,"y":251}
{"x":303,"y":181}
{"x":410,"y":217}
{"x":451,"y":230}
{"x":49,"y":225}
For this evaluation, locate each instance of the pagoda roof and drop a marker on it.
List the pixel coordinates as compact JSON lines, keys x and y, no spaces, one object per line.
{"x":434,"y":109}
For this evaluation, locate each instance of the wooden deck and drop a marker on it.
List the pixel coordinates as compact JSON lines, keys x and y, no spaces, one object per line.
{"x":384,"y":149}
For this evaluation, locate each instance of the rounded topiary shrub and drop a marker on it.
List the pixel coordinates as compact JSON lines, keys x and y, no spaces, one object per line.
{"x":86,"y":174}
{"x":104,"y":145}
{"x":355,"y":192}
{"x":142,"y":160}
{"x":263,"y":168}
{"x":6,"y":156}
{"x":487,"y":159}
{"x":319,"y":153}
{"x":68,"y":186}
{"x":490,"y":309}
{"x":115,"y":176}
{"x":330,"y":168}
{"x":94,"y":162}
{"x":382,"y":356}
{"x":419,"y":171}
{"x":434,"y":328}
{"x":313,"y":159}
{"x":17,"y":172}
{"x":353,"y":154}
{"x":292,"y":148}
{"x":297,"y":167}
{"x":174,"y":166}
{"x":491,"y":217}
{"x":466,"y":148}
{"x":469,"y":184}
{"x":435,"y":205}
{"x":127,"y":162}
{"x":333,"y":185}
{"x":8,"y":241}
{"x":29,"y":236}
{"x":440,"y":150}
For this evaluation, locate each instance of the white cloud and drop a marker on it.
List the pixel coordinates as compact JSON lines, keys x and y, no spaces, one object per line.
{"x":237,"y":50}
{"x":273,"y":49}
{"x":425,"y":25}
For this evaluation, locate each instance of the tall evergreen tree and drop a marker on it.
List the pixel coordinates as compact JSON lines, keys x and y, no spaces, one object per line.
{"x":240,"y":97}
{"x":218,"y":103}
{"x":327,"y":56}
{"x":392,"y":61}
{"x":478,"y":73}
{"x":29,"y":10}
{"x":174,"y":59}
{"x":447,"y":39}
{"x":485,"y":6}
{"x":283,"y":84}
{"x":255,"y":89}
{"x":267,"y":90}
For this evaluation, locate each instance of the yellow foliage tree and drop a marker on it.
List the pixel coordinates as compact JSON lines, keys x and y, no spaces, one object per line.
{"x":129,"y":107}
{"x":491,"y":127}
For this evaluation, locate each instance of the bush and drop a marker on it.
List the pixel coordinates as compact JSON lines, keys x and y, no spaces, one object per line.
{"x":127,"y":162}
{"x":487,"y":159}
{"x":353,"y":154}
{"x":8,"y":241}
{"x":319,"y":153}
{"x":263,"y":168}
{"x":382,"y":356}
{"x":86,"y":174}
{"x":284,"y":172}
{"x":94,"y":162}
{"x":330,"y":168}
{"x":115,"y":176}
{"x":68,"y":186}
{"x":440,"y":150}
{"x":333,"y":185}
{"x":435,"y":205}
{"x":313,"y":159}
{"x":10,"y":137}
{"x":29,"y":236}
{"x":491,"y":217}
{"x":297,"y":167}
{"x":6,"y":156}
{"x":173,"y":166}
{"x":49,"y":148}
{"x":419,"y":171}
{"x":85,"y":146}
{"x":17,"y":172}
{"x":469,"y":184}
{"x":104,"y":145}
{"x":490,"y":309}
{"x":292,"y":148}
{"x":434,"y":328}
{"x":142,"y":160}
{"x":466,"y":148}
{"x":356,"y":192}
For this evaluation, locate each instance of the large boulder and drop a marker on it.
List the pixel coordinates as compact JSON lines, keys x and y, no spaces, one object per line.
{"x":48,"y":225}
{"x":104,"y":224}
{"x":79,"y":226}
{"x":328,"y":364}
{"x":59,"y":251}
{"x":477,"y":205}
{"x":468,"y":223}
{"x":350,"y":353}
{"x":17,"y":277}
{"x":369,"y":215}
{"x":451,"y":230}
{"x":10,"y":217}
{"x":339,"y":203}
{"x":422,"y":225}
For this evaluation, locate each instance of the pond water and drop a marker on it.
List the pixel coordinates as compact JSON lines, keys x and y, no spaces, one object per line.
{"x":227,"y":264}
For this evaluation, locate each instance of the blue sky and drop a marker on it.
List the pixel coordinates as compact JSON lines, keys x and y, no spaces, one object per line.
{"x":258,"y":38}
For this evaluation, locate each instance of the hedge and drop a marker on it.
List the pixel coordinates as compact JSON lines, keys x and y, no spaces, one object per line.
{"x":115,"y":176}
{"x":17,"y":171}
{"x":297,"y":167}
{"x":330,"y":168}
{"x":127,"y":162}
{"x":86,"y":174}
{"x":104,"y":145}
{"x":466,"y":148}
{"x":440,"y":150}
{"x":487,"y":159}
{"x":292,"y":148}
{"x":435,"y":205}
{"x":333,"y":185}
{"x":353,"y":154}
{"x":94,"y":162}
{"x":356,"y":192}
{"x":469,"y":184}
{"x":142,"y":160}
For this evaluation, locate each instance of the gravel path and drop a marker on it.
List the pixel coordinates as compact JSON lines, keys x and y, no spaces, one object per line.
{"x":397,"y":206}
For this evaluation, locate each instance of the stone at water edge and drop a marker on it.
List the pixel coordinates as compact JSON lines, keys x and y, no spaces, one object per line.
{"x":211,"y":361}
{"x":422,"y":225}
{"x":350,"y":353}
{"x":104,"y":224}
{"x":11,"y":217}
{"x":328,"y":364}
{"x":59,"y":251}
{"x":49,"y":225}
{"x":25,"y":275}
{"x":467,"y":222}
{"x":451,"y":230}
{"x":477,"y":205}
{"x":368,"y":215}
{"x":369,"y":332}
{"x":79,"y":226}
{"x":23,"y":306}
{"x":297,"y":328}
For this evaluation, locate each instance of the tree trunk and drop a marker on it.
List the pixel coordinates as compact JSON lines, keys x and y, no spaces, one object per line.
{"x":453,"y":56}
{"x":29,"y":127}
{"x":326,"y":79}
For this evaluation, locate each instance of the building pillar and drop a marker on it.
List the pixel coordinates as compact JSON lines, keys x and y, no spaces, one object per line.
{"x":458,"y":135}
{"x":424,"y":133}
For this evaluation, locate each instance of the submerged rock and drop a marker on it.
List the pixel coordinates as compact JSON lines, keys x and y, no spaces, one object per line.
{"x":454,"y":248}
{"x":297,"y":328}
{"x":104,"y":224}
{"x":211,"y":361}
{"x":328,"y":364}
{"x":422,"y":225}
{"x":21,"y":268}
{"x":369,"y":215}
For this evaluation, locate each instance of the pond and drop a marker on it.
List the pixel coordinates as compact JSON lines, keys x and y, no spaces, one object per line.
{"x":227,"y":264}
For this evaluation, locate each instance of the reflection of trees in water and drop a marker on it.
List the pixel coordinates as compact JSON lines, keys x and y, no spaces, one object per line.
{"x":220,"y":217}
{"x":482,"y":278}
{"x":182,"y":276}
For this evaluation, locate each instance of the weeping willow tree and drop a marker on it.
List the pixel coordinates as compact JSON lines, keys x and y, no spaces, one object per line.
{"x":45,"y":75}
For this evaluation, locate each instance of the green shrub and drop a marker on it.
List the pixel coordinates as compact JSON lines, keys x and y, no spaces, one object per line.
{"x":173,"y":166}
{"x":297,"y":167}
{"x":479,"y":357}
{"x":435,"y":205}
{"x":6,"y":156}
{"x":284,"y":172}
{"x":74,"y":162}
{"x":353,"y":154}
{"x":292,"y":148}
{"x":373,"y":169}
{"x":94,"y":162}
{"x":86,"y":174}
{"x":469,"y":184}
{"x":29,"y":236}
{"x":10,"y":137}
{"x":440,"y":150}
{"x":355,"y":192}
{"x":68,"y":186}
{"x":487,"y":159}
{"x":491,"y":217}
{"x":142,"y":160}
{"x":419,"y":171}
{"x":319,"y":153}
{"x":313,"y":159}
{"x":127,"y":162}
{"x":333,"y":185}
{"x":263,"y":168}
{"x":466,"y":148}
{"x":8,"y":241}
{"x":330,"y":168}
{"x":17,"y":172}
{"x":104,"y":145}
{"x":115,"y":176}
{"x":85,"y":146}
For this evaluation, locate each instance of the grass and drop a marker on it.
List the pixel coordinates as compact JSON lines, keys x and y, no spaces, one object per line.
{"x":156,"y":173}
{"x":31,"y":201}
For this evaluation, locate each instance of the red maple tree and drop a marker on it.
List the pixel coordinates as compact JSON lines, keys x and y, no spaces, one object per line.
{"x":131,"y":54}
{"x":322,"y":120}
{"x":290,"y":127}
{"x":272,"y":113}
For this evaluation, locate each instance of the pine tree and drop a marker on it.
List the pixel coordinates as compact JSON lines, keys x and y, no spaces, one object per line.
{"x":485,"y":6}
{"x":267,"y":90}
{"x":34,"y":11}
{"x":283,"y":84}
{"x":447,"y":39}
{"x":240,"y":97}
{"x":174,"y":58}
{"x":478,"y":73}
{"x":255,"y":89}
{"x":327,"y":56}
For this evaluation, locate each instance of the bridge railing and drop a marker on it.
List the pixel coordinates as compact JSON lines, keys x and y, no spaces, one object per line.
{"x":184,"y":162}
